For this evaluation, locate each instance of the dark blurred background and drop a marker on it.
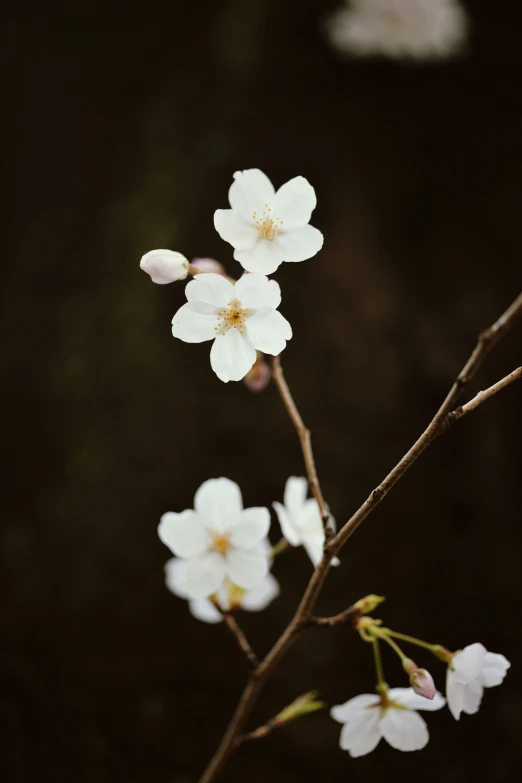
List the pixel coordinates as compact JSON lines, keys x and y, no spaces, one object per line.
{"x":126,"y":124}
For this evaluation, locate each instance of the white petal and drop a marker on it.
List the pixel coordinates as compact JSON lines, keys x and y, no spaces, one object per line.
{"x":232,"y":228}
{"x":309,"y":518}
{"x":210,"y":288}
{"x":263,"y":258}
{"x":298,"y":244}
{"x":251,"y":528}
{"x":345,"y":712}
{"x":362,"y":734}
{"x":255,"y":290}
{"x":204,"y":610}
{"x":314,"y":545}
{"x":404,"y":729}
{"x":247,"y":567}
{"x":261,"y":595}
{"x":202,"y":576}
{"x":472,"y":697}
{"x":495,"y":668}
{"x":172,"y":577}
{"x":232,"y":355}
{"x":408,"y":698}
{"x":195,"y":322}
{"x":296,"y":489}
{"x":269,"y":332}
{"x":184,"y":533}
{"x":219,"y":504}
{"x":288,"y":528}
{"x":454,"y":694}
{"x":469,"y":663}
{"x":164,"y":266}
{"x":294,"y":202}
{"x":249,"y":193}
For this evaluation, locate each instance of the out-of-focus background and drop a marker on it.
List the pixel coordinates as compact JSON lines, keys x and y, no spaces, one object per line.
{"x":127,"y":122}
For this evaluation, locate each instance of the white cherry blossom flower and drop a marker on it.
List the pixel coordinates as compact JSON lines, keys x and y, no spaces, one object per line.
{"x":300,"y":519}
{"x":253,"y":600}
{"x":164,"y":266}
{"x":266,"y":228}
{"x":369,"y":717}
{"x":239,"y":318}
{"x":469,"y":672}
{"x":421,"y":29}
{"x":218,"y":540}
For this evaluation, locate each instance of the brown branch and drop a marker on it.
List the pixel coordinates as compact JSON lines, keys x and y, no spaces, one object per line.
{"x":242,"y":641}
{"x":301,"y":619}
{"x":305,"y":439}
{"x":336,"y":619}
{"x":262,"y":731}
{"x":482,"y":396}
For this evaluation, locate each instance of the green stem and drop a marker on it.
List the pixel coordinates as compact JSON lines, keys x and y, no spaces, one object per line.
{"x":281,"y":546}
{"x":383,"y":635}
{"x":381,"y":684}
{"x":411,"y":639}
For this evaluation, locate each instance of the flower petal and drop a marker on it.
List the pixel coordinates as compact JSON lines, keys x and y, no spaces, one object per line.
{"x":294,"y":202}
{"x":247,"y":567}
{"x":203,"y":609}
{"x":404,"y":729}
{"x":255,"y":290}
{"x":495,"y":669}
{"x":249,"y":193}
{"x":202,"y":576}
{"x":219,"y":504}
{"x":233,"y":229}
{"x":263,"y":258}
{"x":407,"y":697}
{"x":269,"y":332}
{"x":172,"y":577}
{"x":472,"y":697}
{"x":195,"y":322}
{"x":298,"y":244}
{"x":349,"y":710}
{"x":314,"y":545}
{"x":454,"y":694}
{"x":296,"y":489}
{"x":184,"y":533}
{"x":210,"y":288}
{"x":362,"y":734}
{"x":232,"y":356}
{"x":260,"y":596}
{"x":469,"y":662}
{"x":252,"y":526}
{"x":288,"y":527}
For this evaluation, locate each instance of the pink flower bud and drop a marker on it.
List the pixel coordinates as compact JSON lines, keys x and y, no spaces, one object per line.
{"x":198,"y":265}
{"x":258,"y":378}
{"x":164,"y":266}
{"x":422,"y":683}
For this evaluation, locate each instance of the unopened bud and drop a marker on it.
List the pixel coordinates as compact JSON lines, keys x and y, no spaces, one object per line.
{"x":164,"y":266}
{"x":301,"y":706}
{"x":368,"y":604}
{"x":420,"y":680}
{"x":258,"y":378}
{"x":199,"y":265}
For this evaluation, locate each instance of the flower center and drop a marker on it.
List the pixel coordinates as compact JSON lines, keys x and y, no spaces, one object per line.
{"x":231,"y":316}
{"x":266,"y":225}
{"x":221,"y":543}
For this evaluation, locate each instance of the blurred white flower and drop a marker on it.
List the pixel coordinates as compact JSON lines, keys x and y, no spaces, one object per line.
{"x":207,"y":265}
{"x":469,"y":672}
{"x":266,"y":228}
{"x":366,"y":719}
{"x":164,"y":266}
{"x":300,"y":519}
{"x":239,"y":318}
{"x":253,"y":600}
{"x":421,"y":29}
{"x":219,"y":540}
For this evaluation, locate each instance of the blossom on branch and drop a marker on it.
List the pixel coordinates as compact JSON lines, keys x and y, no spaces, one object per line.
{"x":240,"y":318}
{"x":469,"y":672}
{"x":218,"y":540}
{"x":266,"y":228}
{"x":164,"y":266}
{"x":420,"y":29}
{"x":227,"y":597}
{"x":300,"y":519}
{"x":369,"y":717}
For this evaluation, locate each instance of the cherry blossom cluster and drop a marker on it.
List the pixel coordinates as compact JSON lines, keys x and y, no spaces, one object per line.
{"x":222,"y":553}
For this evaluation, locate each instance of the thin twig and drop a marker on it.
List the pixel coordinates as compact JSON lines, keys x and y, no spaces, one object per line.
{"x":262,"y":731}
{"x":242,"y":641}
{"x":301,"y":618}
{"x":305,"y":439}
{"x":482,"y":396}
{"x":336,"y":619}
